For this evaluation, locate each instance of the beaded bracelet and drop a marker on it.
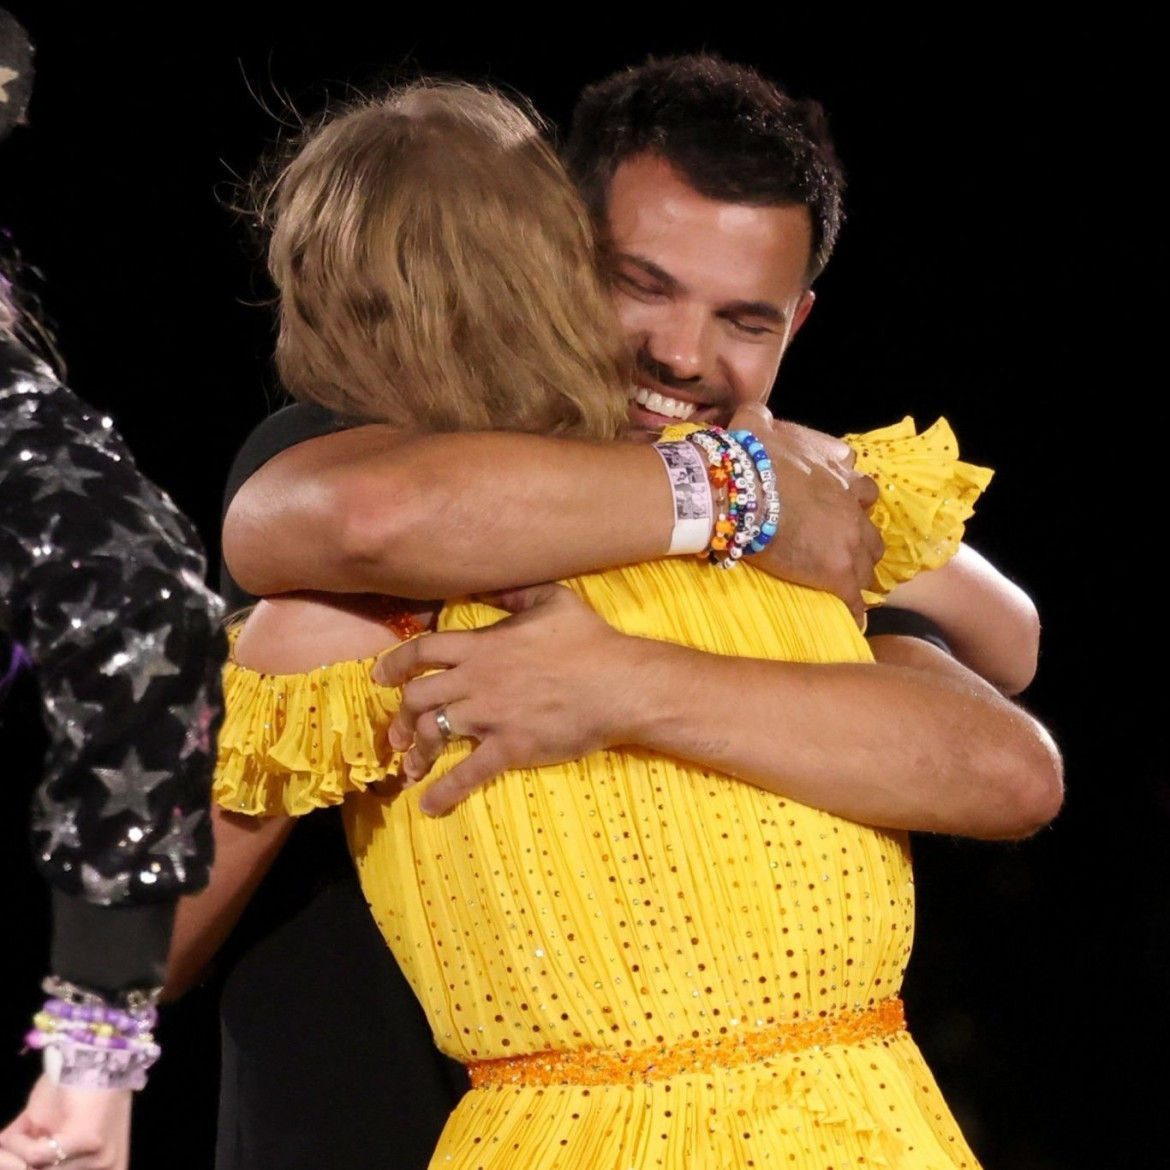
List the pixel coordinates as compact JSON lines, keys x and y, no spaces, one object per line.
{"x":89,"y":1043}
{"x":724,"y":471}
{"x":763,"y":464}
{"x":729,"y":467}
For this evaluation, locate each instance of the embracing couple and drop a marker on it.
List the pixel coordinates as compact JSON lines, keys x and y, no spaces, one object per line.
{"x":639,"y":849}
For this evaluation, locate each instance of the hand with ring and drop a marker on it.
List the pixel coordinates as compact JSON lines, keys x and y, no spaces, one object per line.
{"x":45,"y":1150}
{"x":550,"y":683}
{"x":79,"y":1129}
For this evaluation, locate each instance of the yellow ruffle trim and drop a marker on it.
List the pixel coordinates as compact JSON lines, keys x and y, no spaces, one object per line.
{"x":925,"y":495}
{"x":292,"y":743}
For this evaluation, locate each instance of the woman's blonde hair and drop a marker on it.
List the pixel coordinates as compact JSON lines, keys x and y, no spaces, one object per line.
{"x":437,"y":271}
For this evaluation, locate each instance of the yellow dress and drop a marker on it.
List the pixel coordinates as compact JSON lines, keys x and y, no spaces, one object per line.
{"x":645,"y":963}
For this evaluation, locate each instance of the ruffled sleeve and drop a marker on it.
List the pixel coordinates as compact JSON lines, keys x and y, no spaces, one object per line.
{"x":925,"y":496}
{"x":292,"y":743}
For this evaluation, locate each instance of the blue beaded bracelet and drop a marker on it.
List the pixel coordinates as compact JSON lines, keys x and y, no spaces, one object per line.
{"x":763,"y":464}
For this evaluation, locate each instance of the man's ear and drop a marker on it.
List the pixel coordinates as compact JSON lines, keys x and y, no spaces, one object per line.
{"x":802,"y":311}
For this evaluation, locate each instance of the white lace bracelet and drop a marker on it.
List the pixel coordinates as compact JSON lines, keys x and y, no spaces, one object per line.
{"x":75,"y":1065}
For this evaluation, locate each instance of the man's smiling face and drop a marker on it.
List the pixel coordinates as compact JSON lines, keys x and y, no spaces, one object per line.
{"x":709,"y":293}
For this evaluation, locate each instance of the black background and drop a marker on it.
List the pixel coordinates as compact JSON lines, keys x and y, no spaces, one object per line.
{"x":998,"y":266}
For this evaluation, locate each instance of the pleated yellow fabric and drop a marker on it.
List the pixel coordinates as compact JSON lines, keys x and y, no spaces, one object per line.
{"x":629,"y":903}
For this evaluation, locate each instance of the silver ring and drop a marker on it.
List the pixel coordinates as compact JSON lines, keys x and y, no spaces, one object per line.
{"x":444,"y":724}
{"x":59,"y":1154}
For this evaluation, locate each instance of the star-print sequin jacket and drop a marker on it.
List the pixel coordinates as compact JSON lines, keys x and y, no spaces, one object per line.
{"x":102,"y":585}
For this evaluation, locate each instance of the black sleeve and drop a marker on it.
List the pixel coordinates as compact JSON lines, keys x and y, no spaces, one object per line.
{"x":102,"y":584}
{"x":905,"y":623}
{"x":286,"y":428}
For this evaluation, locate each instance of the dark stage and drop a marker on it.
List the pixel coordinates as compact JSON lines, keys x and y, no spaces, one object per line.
{"x":994,"y":268}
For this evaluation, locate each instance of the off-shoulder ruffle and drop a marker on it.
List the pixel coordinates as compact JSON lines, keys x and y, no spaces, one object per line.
{"x":925,"y":496}
{"x":292,"y":743}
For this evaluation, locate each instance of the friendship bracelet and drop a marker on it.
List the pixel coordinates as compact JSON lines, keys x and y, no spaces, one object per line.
{"x":729,"y":464}
{"x":691,"y":489}
{"x":56,"y":1015}
{"x":763,"y":464}
{"x":90,"y":1043}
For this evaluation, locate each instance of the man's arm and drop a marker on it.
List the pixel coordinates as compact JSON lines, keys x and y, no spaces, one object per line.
{"x":370,"y":510}
{"x":914,"y":741}
{"x":429,"y":517}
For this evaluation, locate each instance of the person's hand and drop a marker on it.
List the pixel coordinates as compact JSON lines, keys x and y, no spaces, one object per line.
{"x":825,"y":538}
{"x":545,"y":686}
{"x":79,"y":1129}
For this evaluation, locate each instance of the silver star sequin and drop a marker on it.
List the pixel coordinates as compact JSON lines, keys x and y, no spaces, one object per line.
{"x":59,"y":820}
{"x":179,"y":842}
{"x":197,"y":718}
{"x":73,"y":715}
{"x":129,"y":786}
{"x":101,"y":889}
{"x":141,"y":544}
{"x":83,"y":613}
{"x":62,"y":476}
{"x":142,"y":660}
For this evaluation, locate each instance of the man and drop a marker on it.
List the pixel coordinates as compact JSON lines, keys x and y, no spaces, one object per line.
{"x":719,"y":201}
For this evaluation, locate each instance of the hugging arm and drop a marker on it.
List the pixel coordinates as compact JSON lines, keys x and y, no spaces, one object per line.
{"x":435,"y":516}
{"x":914,"y":741}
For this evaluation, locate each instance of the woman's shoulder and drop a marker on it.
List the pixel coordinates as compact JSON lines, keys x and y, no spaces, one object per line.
{"x":302,"y":738}
{"x":300,"y":632}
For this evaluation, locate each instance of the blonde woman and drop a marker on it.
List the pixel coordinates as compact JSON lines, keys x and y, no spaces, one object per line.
{"x":641,"y":961}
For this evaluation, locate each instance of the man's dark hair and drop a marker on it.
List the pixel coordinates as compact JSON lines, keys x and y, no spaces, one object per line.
{"x":732,"y":134}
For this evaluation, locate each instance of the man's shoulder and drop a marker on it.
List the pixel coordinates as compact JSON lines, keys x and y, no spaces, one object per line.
{"x":287,"y":427}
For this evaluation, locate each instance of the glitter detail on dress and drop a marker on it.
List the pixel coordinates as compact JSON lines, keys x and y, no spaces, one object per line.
{"x":593,"y":1066}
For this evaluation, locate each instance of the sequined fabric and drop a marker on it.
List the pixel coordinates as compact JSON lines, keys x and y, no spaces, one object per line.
{"x":102,"y":582}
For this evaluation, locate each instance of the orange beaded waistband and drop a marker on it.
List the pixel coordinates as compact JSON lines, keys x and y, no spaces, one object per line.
{"x":599,"y":1066}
